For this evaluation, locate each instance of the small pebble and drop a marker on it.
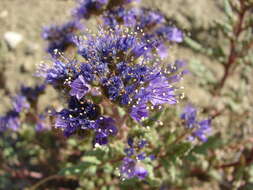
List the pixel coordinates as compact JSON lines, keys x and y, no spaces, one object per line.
{"x":13,"y":39}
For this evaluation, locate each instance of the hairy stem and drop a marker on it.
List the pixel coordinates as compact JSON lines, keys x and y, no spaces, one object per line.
{"x":233,"y":54}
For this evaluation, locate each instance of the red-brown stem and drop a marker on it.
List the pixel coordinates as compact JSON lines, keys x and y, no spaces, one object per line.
{"x":238,"y":28}
{"x":244,"y":161}
{"x":163,"y":153}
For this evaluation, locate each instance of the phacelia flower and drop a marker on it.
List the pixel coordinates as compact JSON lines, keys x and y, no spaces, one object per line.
{"x":131,"y":165}
{"x":32,"y":93}
{"x":3,"y":123}
{"x":104,"y":127}
{"x":139,"y":111}
{"x":20,"y":103}
{"x":10,"y":121}
{"x":201,"y":128}
{"x":86,"y":8}
{"x":60,"y":37}
{"x":120,"y":64}
{"x":41,"y":123}
{"x":26,"y":98}
{"x":131,"y":168}
{"x":152,"y":22}
{"x":59,"y":73}
{"x":141,"y":18}
{"x":130,"y":1}
{"x":162,"y":51}
{"x":84,"y":115}
{"x":158,"y":91}
{"x":79,"y":87}
{"x":170,"y":33}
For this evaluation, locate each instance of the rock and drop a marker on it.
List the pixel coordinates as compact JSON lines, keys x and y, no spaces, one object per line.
{"x":13,"y":39}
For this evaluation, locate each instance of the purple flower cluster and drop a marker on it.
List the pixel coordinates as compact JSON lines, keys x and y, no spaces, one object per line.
{"x":58,"y":74}
{"x":81,"y":114}
{"x":120,"y":62}
{"x":86,"y":8}
{"x":201,"y":128}
{"x":153,"y":23}
{"x":10,"y":121}
{"x":135,"y":17}
{"x":60,"y":37}
{"x":132,"y":165}
{"x":131,"y":168}
{"x":26,"y":99}
{"x":120,"y":66}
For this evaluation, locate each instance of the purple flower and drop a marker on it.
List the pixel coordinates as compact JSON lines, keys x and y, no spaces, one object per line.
{"x":130,"y":168}
{"x":67,"y":124}
{"x":202,"y":128}
{"x":80,"y":115}
{"x":162,"y":51}
{"x":189,"y":116}
{"x":20,"y":103}
{"x":139,"y":111}
{"x":159,"y":91}
{"x":60,"y":37}
{"x":11,"y":121}
{"x":59,"y":73}
{"x":129,"y":151}
{"x":131,"y":165}
{"x":104,"y":127}
{"x":79,"y":87}
{"x":127,"y":168}
{"x":141,"y":50}
{"x":149,"y":18}
{"x":32,"y":93}
{"x":152,"y":157}
{"x":130,"y":1}
{"x":172,"y":34}
{"x":3,"y":123}
{"x":41,"y":124}
{"x":141,"y":156}
{"x":142,"y":143}
{"x":84,"y":115}
{"x":141,"y":172}
{"x":86,"y":8}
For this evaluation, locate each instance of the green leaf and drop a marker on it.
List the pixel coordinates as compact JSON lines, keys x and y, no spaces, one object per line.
{"x":193,"y":44}
{"x":98,"y":153}
{"x":247,"y":186}
{"x":180,"y":149}
{"x":75,"y":170}
{"x":212,"y":143}
{"x":154,"y":182}
{"x":228,"y":9}
{"x":91,"y":159}
{"x":153,"y":119}
{"x":201,"y":71}
{"x":89,"y":162}
{"x":150,"y":170}
{"x":225,"y":27}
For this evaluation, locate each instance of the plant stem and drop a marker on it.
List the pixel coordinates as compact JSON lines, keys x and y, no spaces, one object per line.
{"x":233,"y":54}
{"x":45,"y":180}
